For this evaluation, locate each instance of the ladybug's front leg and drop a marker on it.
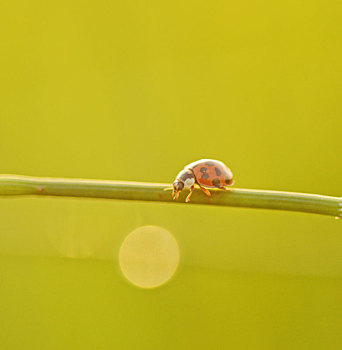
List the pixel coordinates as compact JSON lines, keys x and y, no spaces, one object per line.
{"x":189,"y":195}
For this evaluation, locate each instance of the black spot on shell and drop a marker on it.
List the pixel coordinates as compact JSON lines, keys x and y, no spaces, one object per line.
{"x":209,"y":163}
{"x":218,"y":171}
{"x":227,"y":181}
{"x":217,"y":182}
{"x":205,"y":176}
{"x":203,"y":169}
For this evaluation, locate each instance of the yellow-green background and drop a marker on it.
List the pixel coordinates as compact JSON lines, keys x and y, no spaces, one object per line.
{"x":135,"y":90}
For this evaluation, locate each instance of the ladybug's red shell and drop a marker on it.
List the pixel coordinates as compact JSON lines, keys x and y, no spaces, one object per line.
{"x":211,"y":173}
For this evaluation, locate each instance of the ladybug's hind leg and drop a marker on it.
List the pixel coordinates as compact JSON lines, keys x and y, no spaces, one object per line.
{"x":225,"y":189}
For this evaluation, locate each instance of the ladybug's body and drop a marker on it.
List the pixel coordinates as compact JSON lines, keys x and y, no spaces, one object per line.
{"x":211,"y":173}
{"x":206,"y":173}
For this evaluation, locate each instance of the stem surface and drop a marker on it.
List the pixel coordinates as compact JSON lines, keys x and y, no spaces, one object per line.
{"x":16,"y":185}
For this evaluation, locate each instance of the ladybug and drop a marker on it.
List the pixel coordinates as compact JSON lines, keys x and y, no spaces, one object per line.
{"x":206,"y":173}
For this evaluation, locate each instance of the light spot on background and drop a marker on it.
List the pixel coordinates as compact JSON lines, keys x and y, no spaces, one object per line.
{"x":149,"y":256}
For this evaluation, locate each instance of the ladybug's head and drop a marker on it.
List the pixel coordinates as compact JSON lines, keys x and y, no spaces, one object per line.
{"x":178,"y":185}
{"x":185,"y":178}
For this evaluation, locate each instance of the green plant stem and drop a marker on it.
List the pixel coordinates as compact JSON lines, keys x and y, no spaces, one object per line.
{"x":15,"y":185}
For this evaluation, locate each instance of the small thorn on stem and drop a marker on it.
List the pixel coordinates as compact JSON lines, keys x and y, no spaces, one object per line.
{"x":41,"y":189}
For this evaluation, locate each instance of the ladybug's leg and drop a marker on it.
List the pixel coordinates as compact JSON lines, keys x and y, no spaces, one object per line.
{"x":225,"y":189}
{"x":207,"y":192}
{"x":175,"y":194}
{"x":189,"y":195}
